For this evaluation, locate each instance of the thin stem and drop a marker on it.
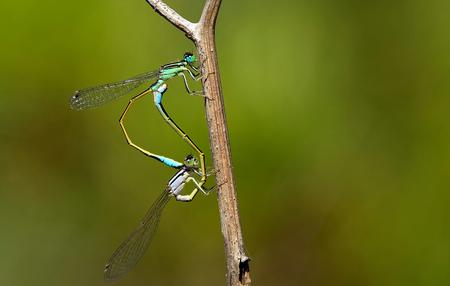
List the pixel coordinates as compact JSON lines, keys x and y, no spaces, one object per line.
{"x":173,"y":17}
{"x":209,"y":13}
{"x":203,"y":36}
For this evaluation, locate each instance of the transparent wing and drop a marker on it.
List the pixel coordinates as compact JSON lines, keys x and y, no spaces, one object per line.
{"x":134,"y":247}
{"x":96,"y":96}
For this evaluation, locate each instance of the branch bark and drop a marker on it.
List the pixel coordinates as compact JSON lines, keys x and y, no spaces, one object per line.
{"x":202,"y":34}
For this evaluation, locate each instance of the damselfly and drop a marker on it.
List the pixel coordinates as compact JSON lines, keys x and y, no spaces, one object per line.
{"x":99,"y":95}
{"x":133,"y":248}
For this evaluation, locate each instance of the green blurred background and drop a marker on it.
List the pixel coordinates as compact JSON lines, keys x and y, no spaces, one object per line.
{"x":338,"y":118}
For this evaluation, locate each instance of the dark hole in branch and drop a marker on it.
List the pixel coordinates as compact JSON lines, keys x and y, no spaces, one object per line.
{"x":244,"y":267}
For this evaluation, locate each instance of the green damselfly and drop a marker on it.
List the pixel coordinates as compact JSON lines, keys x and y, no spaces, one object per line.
{"x":99,"y":95}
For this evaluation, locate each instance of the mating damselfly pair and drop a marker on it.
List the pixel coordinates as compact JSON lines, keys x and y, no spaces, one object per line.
{"x":133,"y":248}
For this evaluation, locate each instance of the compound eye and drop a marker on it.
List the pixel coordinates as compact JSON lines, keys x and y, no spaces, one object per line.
{"x":189,"y":57}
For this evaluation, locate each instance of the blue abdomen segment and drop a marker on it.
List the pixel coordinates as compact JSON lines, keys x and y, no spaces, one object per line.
{"x":158,"y":93}
{"x":157,"y":97}
{"x":170,"y":162}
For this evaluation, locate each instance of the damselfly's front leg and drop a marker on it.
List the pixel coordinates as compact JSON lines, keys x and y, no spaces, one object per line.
{"x":190,"y":197}
{"x":195,"y":77}
{"x":167,"y":161}
{"x":186,"y":85}
{"x":196,"y":69}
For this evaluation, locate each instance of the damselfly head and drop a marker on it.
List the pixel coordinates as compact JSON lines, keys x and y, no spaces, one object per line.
{"x":190,"y":58}
{"x":191,"y":161}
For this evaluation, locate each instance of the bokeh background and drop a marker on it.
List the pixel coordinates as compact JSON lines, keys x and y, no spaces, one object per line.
{"x":338,"y":114}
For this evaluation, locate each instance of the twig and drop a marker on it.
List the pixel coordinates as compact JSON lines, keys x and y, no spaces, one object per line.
{"x":202,"y":34}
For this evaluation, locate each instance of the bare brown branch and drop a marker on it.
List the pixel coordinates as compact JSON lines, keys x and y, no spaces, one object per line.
{"x":203,"y":36}
{"x":173,"y":17}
